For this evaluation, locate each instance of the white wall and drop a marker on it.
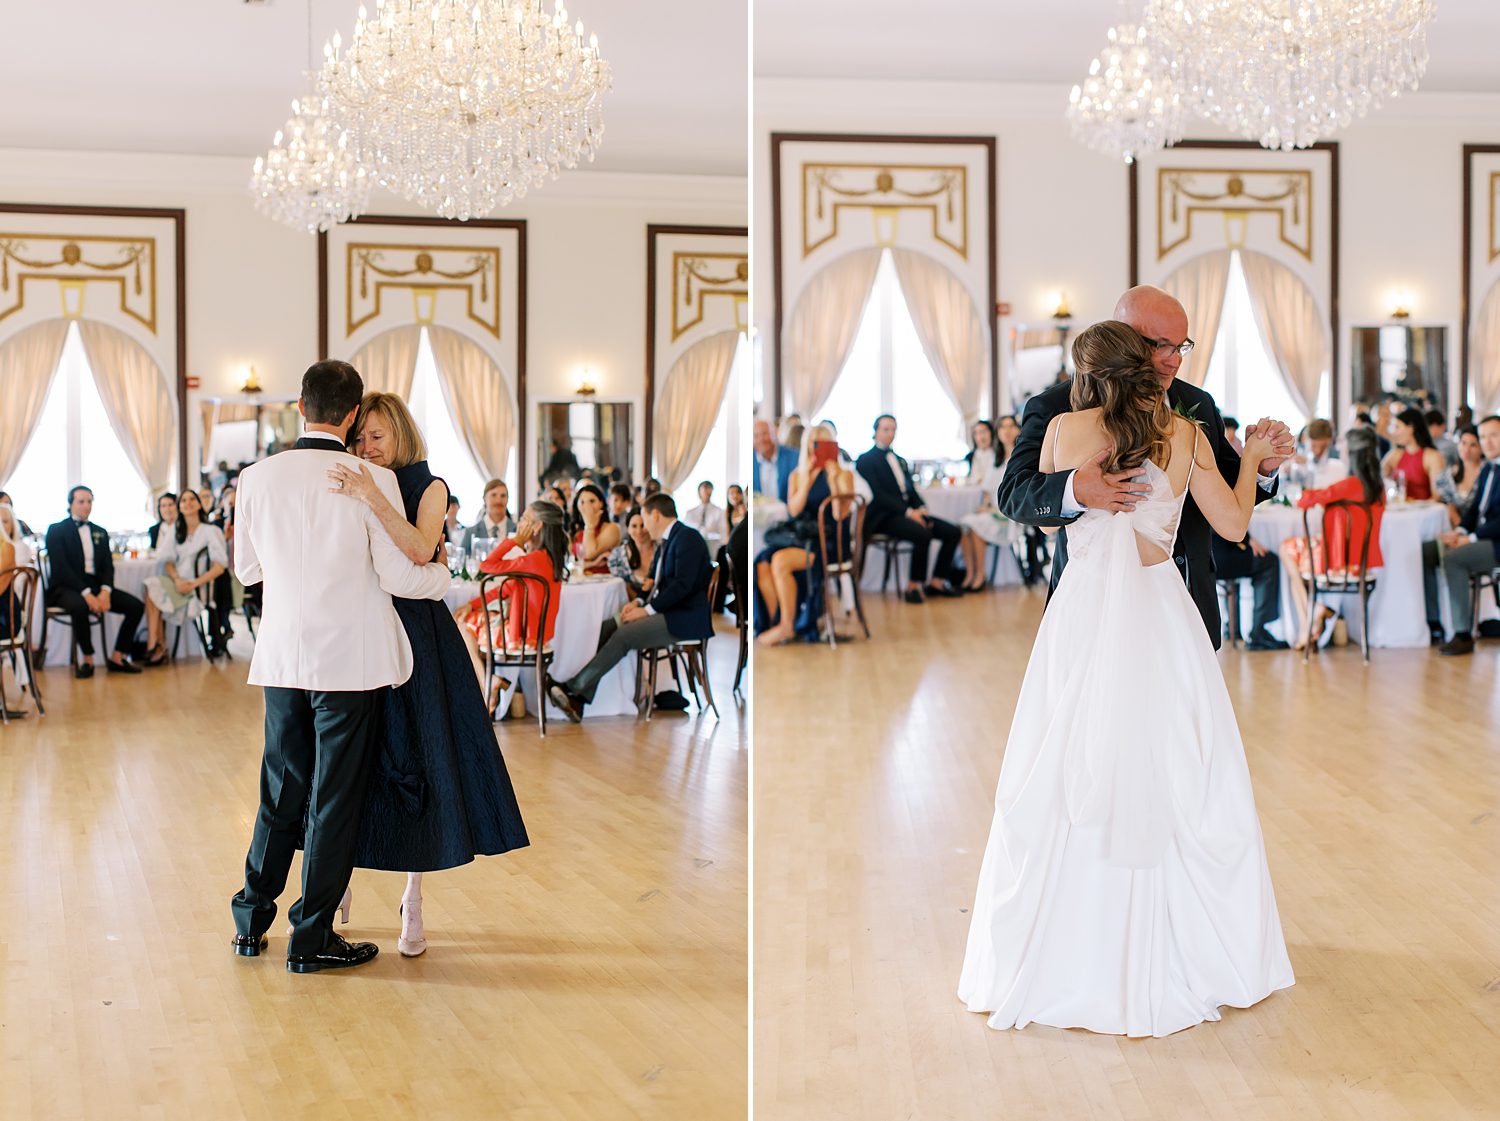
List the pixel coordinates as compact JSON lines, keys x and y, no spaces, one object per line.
{"x":1063,"y":217}
{"x":252,"y":283}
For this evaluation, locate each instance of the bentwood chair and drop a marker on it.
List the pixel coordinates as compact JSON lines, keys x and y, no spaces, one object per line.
{"x":892,"y":548}
{"x":54,"y":614}
{"x":694,"y":654}
{"x":1229,"y":592}
{"x":1478,"y":581}
{"x":17,"y":610}
{"x":1337,"y":544}
{"x":741,"y":620}
{"x":203,"y":616}
{"x":533,"y":604}
{"x":841,"y":555}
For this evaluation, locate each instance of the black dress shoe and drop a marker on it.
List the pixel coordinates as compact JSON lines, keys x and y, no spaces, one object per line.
{"x":120,"y":667}
{"x":946,"y":591}
{"x":83,"y":669}
{"x":338,"y":954}
{"x":249,"y":945}
{"x":1264,"y":641}
{"x":571,"y":706}
{"x":1457,"y":645}
{"x":913,"y":596}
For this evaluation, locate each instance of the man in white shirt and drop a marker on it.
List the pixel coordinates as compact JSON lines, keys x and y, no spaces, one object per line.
{"x":1474,"y":547}
{"x":705,"y":517}
{"x":496,"y":522}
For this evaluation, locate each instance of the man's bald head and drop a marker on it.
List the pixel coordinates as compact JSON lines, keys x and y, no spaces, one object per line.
{"x":1161,"y":319}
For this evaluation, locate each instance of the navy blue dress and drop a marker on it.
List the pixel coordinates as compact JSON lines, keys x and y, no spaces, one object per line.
{"x":802,"y":532}
{"x":440,"y":794}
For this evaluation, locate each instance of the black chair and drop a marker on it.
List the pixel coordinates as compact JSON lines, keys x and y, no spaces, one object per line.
{"x":842,"y":556}
{"x":203,"y":617}
{"x":1229,"y":591}
{"x":694,"y":654}
{"x":15,"y":642}
{"x":892,"y":547}
{"x":1338,"y":525}
{"x":1478,"y":581}
{"x":53,"y":614}
{"x":494,"y":640}
{"x":741,"y":623}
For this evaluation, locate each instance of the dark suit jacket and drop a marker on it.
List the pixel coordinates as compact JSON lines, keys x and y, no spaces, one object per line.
{"x":680,"y":573}
{"x":507,"y":530}
{"x":65,"y":559}
{"x":891,"y":497}
{"x":786,"y":463}
{"x":1485,"y":524}
{"x":1028,"y":496}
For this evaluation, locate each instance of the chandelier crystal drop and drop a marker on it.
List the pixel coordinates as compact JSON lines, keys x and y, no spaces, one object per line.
{"x":309,"y":179}
{"x":1288,"y":72}
{"x":1128,"y":104}
{"x":464,"y":105}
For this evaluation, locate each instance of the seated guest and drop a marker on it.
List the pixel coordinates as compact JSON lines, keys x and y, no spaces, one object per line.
{"x":453,"y":532}
{"x":897,"y":510}
{"x":1363,"y":484}
{"x":566,"y":487}
{"x":14,"y":553}
{"x":594,"y":535}
{"x":82,"y":573}
{"x":792,"y":546}
{"x":554,"y":494}
{"x":675,"y":610}
{"x":632,"y":558}
{"x":653,"y":486}
{"x":5,"y":501}
{"x":984,"y":527}
{"x":166,"y":515}
{"x":1232,"y":434}
{"x":621,"y":503}
{"x":789,"y":434}
{"x":773,"y":465}
{"x":1249,"y":559}
{"x":543,"y":537}
{"x":705,"y":517}
{"x":1315,"y":449}
{"x":172,"y":597}
{"x":1437,"y":428}
{"x":1474,"y":546}
{"x":1465,"y":477}
{"x":735,"y":507}
{"x":495,"y":522}
{"x":206,"y":500}
{"x":1413,"y":457}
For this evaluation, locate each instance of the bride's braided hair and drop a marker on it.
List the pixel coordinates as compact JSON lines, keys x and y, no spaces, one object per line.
{"x":1116,"y":376}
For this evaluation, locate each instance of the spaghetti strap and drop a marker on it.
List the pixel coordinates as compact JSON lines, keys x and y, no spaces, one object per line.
{"x":1056,"y":432}
{"x":1192,"y":463}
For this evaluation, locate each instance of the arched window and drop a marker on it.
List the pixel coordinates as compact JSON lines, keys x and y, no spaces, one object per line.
{"x":447,"y":455}
{"x":725,"y":458}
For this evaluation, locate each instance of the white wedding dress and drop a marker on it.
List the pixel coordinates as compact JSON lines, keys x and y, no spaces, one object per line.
{"x":1124,"y":887}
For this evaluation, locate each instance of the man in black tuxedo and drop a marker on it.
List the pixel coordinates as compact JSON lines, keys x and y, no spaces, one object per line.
{"x":1474,"y":547}
{"x":897,"y":510}
{"x":1028,"y":496}
{"x":675,"y":610}
{"x":81,"y":579}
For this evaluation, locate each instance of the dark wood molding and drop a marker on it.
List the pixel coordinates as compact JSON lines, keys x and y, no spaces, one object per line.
{"x":1466,"y":292}
{"x":992,"y":243}
{"x":1329,"y":146}
{"x":178,"y":217}
{"x":517,"y":224}
{"x":653,"y":231}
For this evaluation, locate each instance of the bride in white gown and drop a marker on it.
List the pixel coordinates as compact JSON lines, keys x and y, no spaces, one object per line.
{"x":1124,"y":887}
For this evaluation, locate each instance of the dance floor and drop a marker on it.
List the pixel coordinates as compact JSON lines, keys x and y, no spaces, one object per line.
{"x":1379,"y":795}
{"x":601,"y":973}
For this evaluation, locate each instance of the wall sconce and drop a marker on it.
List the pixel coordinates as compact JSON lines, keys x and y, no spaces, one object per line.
{"x":742,"y":314}
{"x":887,"y":222}
{"x":72,"y":298}
{"x":252,"y":383}
{"x":1059,"y":304}
{"x":424,"y":301}
{"x":1401,"y":302}
{"x":585,"y":385}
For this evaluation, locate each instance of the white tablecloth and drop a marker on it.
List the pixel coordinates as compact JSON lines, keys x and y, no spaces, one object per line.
{"x":1398,"y":614}
{"x":130,"y":576}
{"x":585,"y":605}
{"x":952,"y":504}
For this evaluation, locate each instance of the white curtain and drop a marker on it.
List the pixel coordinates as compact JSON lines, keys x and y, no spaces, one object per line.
{"x":28,"y":363}
{"x":822,"y":328}
{"x":478,"y":397}
{"x":949,"y":328}
{"x":687,"y":406}
{"x":1294,"y":328}
{"x":1484,"y":351}
{"x":1199,"y":286}
{"x":136,"y":400}
{"x":388,"y":362}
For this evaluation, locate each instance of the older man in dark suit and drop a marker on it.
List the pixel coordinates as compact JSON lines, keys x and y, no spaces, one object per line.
{"x":80,"y":580}
{"x":1474,"y":547}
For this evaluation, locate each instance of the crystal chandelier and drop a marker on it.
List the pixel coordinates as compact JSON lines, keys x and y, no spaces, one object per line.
{"x":463,"y":105}
{"x":1288,"y":72}
{"x":1128,"y":104}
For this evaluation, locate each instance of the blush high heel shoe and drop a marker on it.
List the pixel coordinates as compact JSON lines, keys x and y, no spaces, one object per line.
{"x":412,"y":943}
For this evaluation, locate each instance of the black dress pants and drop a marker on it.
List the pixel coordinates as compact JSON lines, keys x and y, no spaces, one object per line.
{"x":318,"y":758}
{"x":921,"y":537}
{"x":123,"y":604}
{"x":1239,"y":562}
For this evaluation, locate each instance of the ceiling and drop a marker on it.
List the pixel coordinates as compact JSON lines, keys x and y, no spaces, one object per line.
{"x":216,"y":77}
{"x":1012,"y":41}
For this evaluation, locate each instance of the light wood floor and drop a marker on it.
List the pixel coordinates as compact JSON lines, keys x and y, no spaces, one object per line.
{"x":875,"y":772}
{"x":599,"y":974}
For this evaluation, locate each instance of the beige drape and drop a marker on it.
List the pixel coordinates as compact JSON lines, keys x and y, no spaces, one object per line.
{"x":1294,"y":328}
{"x":1200,"y":286}
{"x":478,"y":397}
{"x":136,"y":400}
{"x":388,"y":362}
{"x":822,"y":328}
{"x":1484,"y":349}
{"x":688,"y":404}
{"x":28,"y":363}
{"x":949,"y":328}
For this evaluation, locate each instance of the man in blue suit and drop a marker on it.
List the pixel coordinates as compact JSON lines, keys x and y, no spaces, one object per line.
{"x":675,"y":609}
{"x":1474,"y":547}
{"x":774,"y":464}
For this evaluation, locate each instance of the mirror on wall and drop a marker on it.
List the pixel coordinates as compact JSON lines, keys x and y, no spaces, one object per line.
{"x":243,"y":429}
{"x":574,"y":435}
{"x":1408,"y":360}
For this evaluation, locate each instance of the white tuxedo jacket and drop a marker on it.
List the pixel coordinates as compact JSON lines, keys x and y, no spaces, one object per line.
{"x":330,"y":570}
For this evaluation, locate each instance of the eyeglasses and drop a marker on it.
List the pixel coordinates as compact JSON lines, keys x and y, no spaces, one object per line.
{"x":1161,"y":346}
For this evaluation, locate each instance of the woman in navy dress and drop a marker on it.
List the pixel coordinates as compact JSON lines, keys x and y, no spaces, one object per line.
{"x":440,"y":794}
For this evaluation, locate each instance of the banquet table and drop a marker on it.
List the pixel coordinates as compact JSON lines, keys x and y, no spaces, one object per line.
{"x":1398,"y":615}
{"x":951,"y":504}
{"x":587,"y":601}
{"x":130,"y":576}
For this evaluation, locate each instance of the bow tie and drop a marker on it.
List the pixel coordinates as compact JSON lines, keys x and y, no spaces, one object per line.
{"x":78,"y":524}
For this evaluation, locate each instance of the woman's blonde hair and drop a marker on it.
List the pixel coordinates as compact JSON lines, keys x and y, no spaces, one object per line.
{"x":407,"y":437}
{"x":1115,"y":374}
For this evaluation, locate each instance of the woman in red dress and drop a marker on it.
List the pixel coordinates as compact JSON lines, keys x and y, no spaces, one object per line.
{"x":1414,"y":457}
{"x":594,"y":535}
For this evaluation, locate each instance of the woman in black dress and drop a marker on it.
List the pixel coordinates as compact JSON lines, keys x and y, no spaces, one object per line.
{"x":440,"y":795}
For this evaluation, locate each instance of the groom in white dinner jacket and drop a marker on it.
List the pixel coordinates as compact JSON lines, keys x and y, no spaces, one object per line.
{"x":329,"y":642}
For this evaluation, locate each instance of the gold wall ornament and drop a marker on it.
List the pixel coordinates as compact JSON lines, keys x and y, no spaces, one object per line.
{"x":698,"y":276}
{"x":939,"y":190}
{"x":425,"y":270}
{"x":127,"y":264}
{"x":1494,"y":208}
{"x":1237,"y":194}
